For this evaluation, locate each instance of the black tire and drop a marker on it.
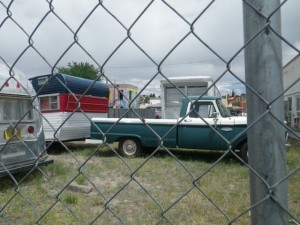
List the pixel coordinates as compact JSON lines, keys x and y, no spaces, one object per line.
{"x":244,"y":152}
{"x":130,"y":147}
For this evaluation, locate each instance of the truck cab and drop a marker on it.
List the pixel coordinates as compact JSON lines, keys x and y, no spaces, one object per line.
{"x":207,"y":124}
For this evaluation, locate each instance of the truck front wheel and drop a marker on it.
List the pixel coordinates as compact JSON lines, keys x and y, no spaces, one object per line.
{"x":130,"y":147}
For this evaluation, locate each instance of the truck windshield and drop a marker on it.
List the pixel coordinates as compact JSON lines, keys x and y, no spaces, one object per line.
{"x":223,"y":110}
{"x":14,"y":108}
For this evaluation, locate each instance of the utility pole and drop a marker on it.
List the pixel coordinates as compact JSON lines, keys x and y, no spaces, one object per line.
{"x":266,"y":141}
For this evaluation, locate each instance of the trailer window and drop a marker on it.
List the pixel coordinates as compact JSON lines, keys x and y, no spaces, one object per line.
{"x":49,"y":103}
{"x":173,"y":96}
{"x":42,"y":80}
{"x":196,"y":90}
{"x":297,"y":103}
{"x":15,"y":108}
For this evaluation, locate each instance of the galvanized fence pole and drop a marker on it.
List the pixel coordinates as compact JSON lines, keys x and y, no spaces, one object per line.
{"x":263,"y":64}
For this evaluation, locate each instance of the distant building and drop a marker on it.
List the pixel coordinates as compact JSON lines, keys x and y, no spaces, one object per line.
{"x":121,"y":95}
{"x":154,"y":101}
{"x":291,"y":73}
{"x":236,"y":104}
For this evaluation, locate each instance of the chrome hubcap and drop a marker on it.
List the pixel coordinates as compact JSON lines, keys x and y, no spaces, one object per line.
{"x":129,"y":147}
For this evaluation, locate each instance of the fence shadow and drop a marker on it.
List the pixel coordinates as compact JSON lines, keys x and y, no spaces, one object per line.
{"x":8,"y":183}
{"x":80,"y":147}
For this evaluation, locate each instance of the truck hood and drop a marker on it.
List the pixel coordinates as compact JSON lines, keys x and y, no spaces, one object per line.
{"x":240,"y":120}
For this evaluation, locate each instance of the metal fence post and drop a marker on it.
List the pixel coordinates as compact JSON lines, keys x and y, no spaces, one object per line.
{"x":263,"y":64}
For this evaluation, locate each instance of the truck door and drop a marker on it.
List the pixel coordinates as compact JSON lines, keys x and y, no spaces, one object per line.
{"x":195,"y":131}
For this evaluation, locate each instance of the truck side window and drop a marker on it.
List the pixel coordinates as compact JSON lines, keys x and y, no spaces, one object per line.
{"x":203,"y":109}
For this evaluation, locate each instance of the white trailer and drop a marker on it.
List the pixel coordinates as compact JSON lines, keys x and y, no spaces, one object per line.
{"x":68,"y":103}
{"x":171,"y":97}
{"x":22,"y":140}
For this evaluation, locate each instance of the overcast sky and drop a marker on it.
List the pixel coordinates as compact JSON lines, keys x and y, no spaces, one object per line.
{"x":100,"y":30}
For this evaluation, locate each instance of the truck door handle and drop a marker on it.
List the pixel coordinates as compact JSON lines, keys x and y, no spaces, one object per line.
{"x":187,"y":120}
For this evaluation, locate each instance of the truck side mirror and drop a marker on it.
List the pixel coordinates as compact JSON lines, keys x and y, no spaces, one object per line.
{"x":215,"y":114}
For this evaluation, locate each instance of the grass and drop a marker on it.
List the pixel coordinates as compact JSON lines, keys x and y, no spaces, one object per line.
{"x":136,"y":190}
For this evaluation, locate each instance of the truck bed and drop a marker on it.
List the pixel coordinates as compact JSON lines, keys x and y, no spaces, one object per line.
{"x":149,"y":131}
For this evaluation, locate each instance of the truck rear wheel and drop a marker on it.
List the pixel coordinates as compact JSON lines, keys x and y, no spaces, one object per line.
{"x":129,"y":147}
{"x":244,"y":152}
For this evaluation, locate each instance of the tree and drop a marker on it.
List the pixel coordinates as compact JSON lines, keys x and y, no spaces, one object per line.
{"x":143,"y":99}
{"x":84,"y":70}
{"x":146,"y":99}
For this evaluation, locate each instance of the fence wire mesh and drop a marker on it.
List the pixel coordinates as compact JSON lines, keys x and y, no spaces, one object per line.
{"x":94,"y":183}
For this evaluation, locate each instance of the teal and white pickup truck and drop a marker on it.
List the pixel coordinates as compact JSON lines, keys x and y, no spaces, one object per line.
{"x":203,"y":124}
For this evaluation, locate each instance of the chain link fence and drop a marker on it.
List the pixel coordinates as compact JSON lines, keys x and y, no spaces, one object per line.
{"x":94,"y":184}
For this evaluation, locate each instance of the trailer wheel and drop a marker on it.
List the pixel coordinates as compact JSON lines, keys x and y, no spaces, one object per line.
{"x":129,"y":147}
{"x":244,"y":152}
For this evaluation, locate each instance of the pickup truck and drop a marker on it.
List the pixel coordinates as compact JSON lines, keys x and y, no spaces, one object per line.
{"x":202,"y":124}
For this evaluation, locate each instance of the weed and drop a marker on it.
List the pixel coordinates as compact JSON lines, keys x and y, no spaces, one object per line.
{"x":81,"y":180}
{"x":70,"y":199}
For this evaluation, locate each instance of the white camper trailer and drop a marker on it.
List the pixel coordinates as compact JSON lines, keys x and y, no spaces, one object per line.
{"x":171,"y":97}
{"x":22,"y":141}
{"x":60,"y":95}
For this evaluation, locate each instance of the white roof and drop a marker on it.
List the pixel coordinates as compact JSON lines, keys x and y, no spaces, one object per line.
{"x":188,"y":79}
{"x":14,"y":82}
